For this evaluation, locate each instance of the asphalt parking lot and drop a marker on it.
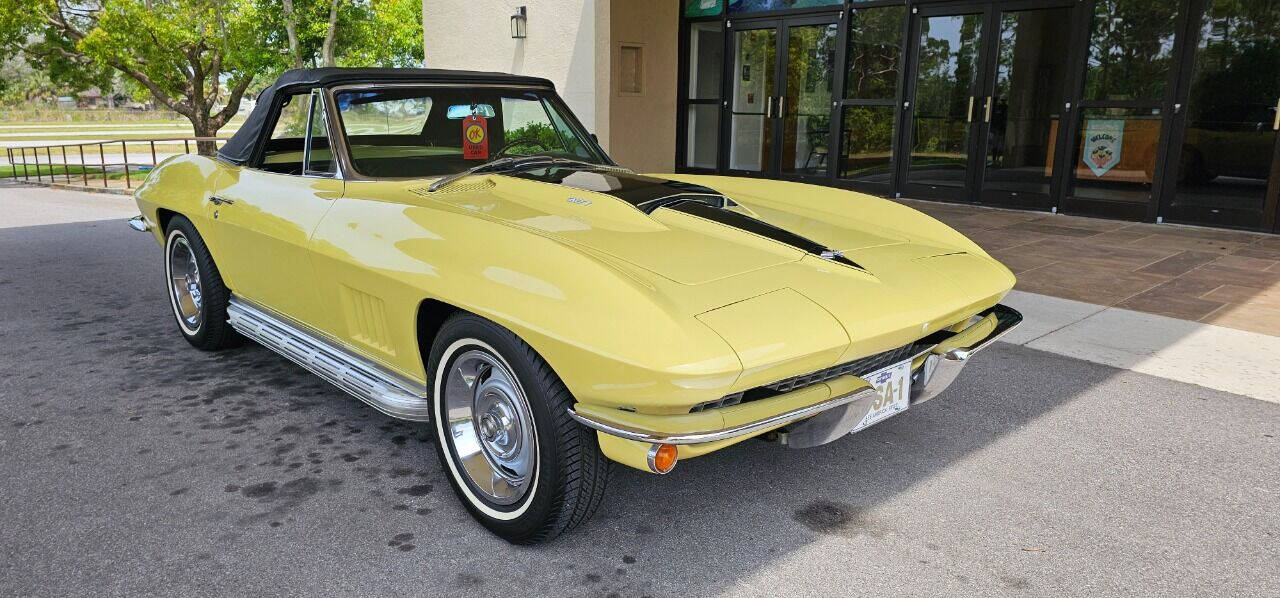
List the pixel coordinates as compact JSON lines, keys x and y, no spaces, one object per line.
{"x":133,"y":464}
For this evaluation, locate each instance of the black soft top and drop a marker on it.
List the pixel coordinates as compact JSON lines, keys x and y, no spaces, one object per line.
{"x":239,"y":149}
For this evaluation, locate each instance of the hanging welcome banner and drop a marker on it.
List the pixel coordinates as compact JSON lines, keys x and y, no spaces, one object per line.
{"x":1103,"y":140}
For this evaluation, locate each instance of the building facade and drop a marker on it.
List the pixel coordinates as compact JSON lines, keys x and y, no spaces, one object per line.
{"x":1155,"y":110}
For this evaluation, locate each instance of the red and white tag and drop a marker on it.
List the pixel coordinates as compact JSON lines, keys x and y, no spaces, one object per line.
{"x":475,"y":138}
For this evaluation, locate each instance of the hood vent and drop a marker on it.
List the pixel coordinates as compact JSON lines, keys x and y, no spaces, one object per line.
{"x":459,"y":187}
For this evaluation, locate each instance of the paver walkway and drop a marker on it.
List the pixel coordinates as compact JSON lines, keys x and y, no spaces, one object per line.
{"x":1224,"y":277}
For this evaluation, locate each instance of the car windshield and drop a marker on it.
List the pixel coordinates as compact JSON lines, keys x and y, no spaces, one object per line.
{"x":435,"y":131}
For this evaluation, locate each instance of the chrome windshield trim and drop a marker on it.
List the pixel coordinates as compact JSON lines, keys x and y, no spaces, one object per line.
{"x":746,"y":429}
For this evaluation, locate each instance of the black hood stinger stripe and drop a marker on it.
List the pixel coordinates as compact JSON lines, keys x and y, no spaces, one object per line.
{"x":746,"y":223}
{"x":648,"y":194}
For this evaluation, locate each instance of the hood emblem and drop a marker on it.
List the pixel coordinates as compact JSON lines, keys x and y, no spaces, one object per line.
{"x":579,"y":201}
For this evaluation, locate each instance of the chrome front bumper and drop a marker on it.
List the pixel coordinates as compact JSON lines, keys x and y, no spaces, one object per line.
{"x":938,"y":367}
{"x":940,"y":360}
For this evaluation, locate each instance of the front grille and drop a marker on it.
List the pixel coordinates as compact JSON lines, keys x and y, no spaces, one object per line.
{"x":857,"y":367}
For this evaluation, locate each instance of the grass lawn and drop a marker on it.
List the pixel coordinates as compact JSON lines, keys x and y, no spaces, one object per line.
{"x":59,"y":171}
{"x":36,"y":133}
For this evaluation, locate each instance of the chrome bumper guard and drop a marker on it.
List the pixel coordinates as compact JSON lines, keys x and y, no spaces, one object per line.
{"x":940,"y":368}
{"x":837,"y":416}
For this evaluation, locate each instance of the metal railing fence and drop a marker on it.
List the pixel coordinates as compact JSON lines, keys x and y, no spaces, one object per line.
{"x":25,"y":162}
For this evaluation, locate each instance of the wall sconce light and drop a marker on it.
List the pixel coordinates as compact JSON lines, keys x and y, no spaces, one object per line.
{"x":518,"y":23}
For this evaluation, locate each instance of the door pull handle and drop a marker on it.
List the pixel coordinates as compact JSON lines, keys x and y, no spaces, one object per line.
{"x":968,"y":115}
{"x":782,"y":110}
{"x":987,"y":117}
{"x":217,"y":201}
{"x":768,"y":111}
{"x":1275,"y":124}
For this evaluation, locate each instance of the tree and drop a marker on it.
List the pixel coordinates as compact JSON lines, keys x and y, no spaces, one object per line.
{"x":197,"y":57}
{"x":345,"y":32}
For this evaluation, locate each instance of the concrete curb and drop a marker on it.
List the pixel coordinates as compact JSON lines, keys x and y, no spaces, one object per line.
{"x":70,"y":187}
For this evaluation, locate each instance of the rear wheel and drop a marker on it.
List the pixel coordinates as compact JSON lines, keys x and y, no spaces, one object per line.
{"x":519,"y":463}
{"x":196,"y":293}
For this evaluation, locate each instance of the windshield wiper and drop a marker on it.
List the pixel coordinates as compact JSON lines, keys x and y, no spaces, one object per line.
{"x":477,"y":169}
{"x":513,"y":163}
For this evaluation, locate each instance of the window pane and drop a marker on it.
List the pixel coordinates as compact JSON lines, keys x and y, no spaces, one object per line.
{"x":370,"y":113}
{"x":1116,"y":152}
{"x":867,"y":144}
{"x":418,"y":132}
{"x":704,"y":136}
{"x":806,"y":115}
{"x":1031,"y":65}
{"x":947,"y":88}
{"x":875,"y":52}
{"x":283,"y":152}
{"x":292,"y":121}
{"x":751,"y":123}
{"x":706,"y":60}
{"x":741,"y":6}
{"x":320,"y":159}
{"x":1229,"y":149}
{"x":1130,"y":49}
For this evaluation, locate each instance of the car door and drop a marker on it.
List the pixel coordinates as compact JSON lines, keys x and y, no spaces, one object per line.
{"x":265,"y":213}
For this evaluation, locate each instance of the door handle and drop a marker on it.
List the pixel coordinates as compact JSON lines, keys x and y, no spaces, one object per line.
{"x":1275,"y":125}
{"x":987,"y":117}
{"x":968,"y":115}
{"x":768,"y":111}
{"x":217,"y":201}
{"x":782,"y":103}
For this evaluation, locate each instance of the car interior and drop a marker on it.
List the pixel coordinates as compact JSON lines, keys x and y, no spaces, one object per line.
{"x":416,"y":132}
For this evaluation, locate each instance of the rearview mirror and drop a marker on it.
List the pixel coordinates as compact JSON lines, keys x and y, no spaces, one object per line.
{"x":458,"y":111}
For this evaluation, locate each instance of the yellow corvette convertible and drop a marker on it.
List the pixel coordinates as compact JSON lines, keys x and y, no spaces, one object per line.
{"x":454,"y":248}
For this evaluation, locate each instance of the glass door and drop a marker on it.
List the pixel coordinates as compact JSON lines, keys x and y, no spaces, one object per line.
{"x":1024,"y":103}
{"x":1120,"y":127}
{"x":779,"y":112}
{"x":989,"y":92}
{"x":751,"y":110}
{"x":946,"y":104}
{"x":1224,"y":160}
{"x":804,"y":107}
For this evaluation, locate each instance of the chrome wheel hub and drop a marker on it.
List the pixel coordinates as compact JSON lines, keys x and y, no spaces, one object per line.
{"x":184,"y":283}
{"x":489,"y":419}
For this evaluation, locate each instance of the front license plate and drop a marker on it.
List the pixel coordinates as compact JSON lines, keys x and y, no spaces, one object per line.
{"x":893,"y":390}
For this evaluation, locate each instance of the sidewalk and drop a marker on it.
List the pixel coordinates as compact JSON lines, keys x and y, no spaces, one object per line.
{"x":1222,"y":277}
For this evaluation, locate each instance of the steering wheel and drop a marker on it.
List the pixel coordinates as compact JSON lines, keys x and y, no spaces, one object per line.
{"x":521,"y":141}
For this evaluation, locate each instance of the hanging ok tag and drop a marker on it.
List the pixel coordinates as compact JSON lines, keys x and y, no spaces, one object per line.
{"x":475,"y":138}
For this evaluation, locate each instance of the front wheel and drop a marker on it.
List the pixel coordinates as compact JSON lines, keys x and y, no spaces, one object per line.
{"x":522,"y":467}
{"x":196,"y":293}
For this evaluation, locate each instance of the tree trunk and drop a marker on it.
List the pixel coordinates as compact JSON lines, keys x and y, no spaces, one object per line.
{"x":291,"y":28}
{"x":327,"y":49}
{"x":204,"y":128}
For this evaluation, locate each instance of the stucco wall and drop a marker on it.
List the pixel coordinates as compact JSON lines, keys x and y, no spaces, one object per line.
{"x":576,"y":44}
{"x":642,"y":127}
{"x":562,"y":45}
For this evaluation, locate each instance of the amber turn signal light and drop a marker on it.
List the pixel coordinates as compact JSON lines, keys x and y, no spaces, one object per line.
{"x":662,"y":457}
